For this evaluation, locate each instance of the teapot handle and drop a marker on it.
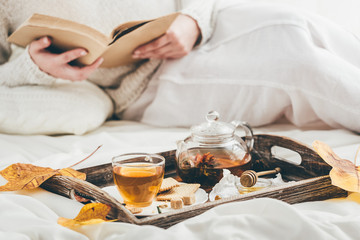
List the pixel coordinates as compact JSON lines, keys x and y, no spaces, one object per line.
{"x":249,"y":136}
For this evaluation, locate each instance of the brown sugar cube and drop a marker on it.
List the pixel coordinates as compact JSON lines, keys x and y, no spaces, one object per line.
{"x":176,"y":203}
{"x":189,"y":199}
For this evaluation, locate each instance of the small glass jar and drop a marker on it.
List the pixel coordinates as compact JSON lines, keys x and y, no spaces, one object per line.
{"x":212,"y":147}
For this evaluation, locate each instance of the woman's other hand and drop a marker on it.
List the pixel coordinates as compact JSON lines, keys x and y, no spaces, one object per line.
{"x":177,"y":42}
{"x":57,"y":65}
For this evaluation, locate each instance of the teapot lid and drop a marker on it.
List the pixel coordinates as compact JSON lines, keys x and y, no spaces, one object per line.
{"x":213,"y":128}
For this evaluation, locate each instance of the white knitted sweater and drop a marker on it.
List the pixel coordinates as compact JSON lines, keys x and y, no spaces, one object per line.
{"x":123,"y":84}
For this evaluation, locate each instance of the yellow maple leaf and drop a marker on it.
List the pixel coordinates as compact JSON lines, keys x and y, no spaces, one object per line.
{"x":27,"y":176}
{"x":91,"y":213}
{"x":69,"y":172}
{"x":344,"y":173}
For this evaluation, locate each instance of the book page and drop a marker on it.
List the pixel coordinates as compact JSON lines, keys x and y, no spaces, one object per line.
{"x":123,"y":31}
{"x":120,"y":51}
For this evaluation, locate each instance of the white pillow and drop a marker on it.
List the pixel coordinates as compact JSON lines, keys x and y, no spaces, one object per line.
{"x":64,"y":108}
{"x":263,"y":62}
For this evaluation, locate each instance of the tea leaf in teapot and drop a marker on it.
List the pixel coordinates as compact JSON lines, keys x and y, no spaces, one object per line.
{"x":206,"y":159}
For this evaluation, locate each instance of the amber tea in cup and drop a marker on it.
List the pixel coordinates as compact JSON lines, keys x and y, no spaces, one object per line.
{"x":138,"y":177}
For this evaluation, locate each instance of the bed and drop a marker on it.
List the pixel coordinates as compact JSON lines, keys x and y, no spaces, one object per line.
{"x":33,"y":214}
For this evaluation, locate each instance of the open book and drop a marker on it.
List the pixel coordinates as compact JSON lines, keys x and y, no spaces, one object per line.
{"x":116,"y":49}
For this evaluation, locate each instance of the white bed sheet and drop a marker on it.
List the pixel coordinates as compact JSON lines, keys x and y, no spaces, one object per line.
{"x":33,"y":214}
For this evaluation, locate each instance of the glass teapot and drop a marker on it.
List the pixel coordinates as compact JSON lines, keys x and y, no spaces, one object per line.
{"x":212,"y":147}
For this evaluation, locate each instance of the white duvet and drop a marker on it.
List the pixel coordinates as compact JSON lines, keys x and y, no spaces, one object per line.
{"x":33,"y":214}
{"x":263,"y":62}
{"x":271,"y":61}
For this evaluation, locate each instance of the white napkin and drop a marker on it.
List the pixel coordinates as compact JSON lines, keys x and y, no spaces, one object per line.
{"x":229,"y":185}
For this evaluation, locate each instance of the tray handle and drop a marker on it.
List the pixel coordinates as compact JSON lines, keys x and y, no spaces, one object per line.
{"x":312,"y":165}
{"x":67,"y":186}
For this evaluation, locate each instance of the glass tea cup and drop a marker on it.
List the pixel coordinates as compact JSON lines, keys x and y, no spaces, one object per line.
{"x":138,"y":177}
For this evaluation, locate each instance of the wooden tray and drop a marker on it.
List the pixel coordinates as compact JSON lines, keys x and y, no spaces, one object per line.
{"x":311,"y":176}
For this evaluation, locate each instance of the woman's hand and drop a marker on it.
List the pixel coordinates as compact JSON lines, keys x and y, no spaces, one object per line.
{"x":177,"y":42}
{"x":57,"y":65}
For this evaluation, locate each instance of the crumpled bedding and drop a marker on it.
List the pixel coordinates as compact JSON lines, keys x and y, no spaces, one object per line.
{"x":33,"y":214}
{"x":34,"y":217}
{"x":274,"y":62}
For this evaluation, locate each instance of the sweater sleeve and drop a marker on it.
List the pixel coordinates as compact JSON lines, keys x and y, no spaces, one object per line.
{"x":203,"y":11}
{"x":20,"y":70}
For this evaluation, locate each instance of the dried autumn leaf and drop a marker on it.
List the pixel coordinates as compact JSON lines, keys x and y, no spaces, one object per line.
{"x":91,"y":213}
{"x":354,"y":197}
{"x":69,"y":172}
{"x":27,"y":176}
{"x":344,"y":173}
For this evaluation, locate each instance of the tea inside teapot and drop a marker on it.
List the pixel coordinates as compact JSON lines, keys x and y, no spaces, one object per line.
{"x":205,"y":166}
{"x":212,"y":147}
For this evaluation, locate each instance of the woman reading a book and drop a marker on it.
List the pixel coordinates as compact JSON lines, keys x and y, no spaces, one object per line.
{"x":41,"y":92}
{"x":250,"y":61}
